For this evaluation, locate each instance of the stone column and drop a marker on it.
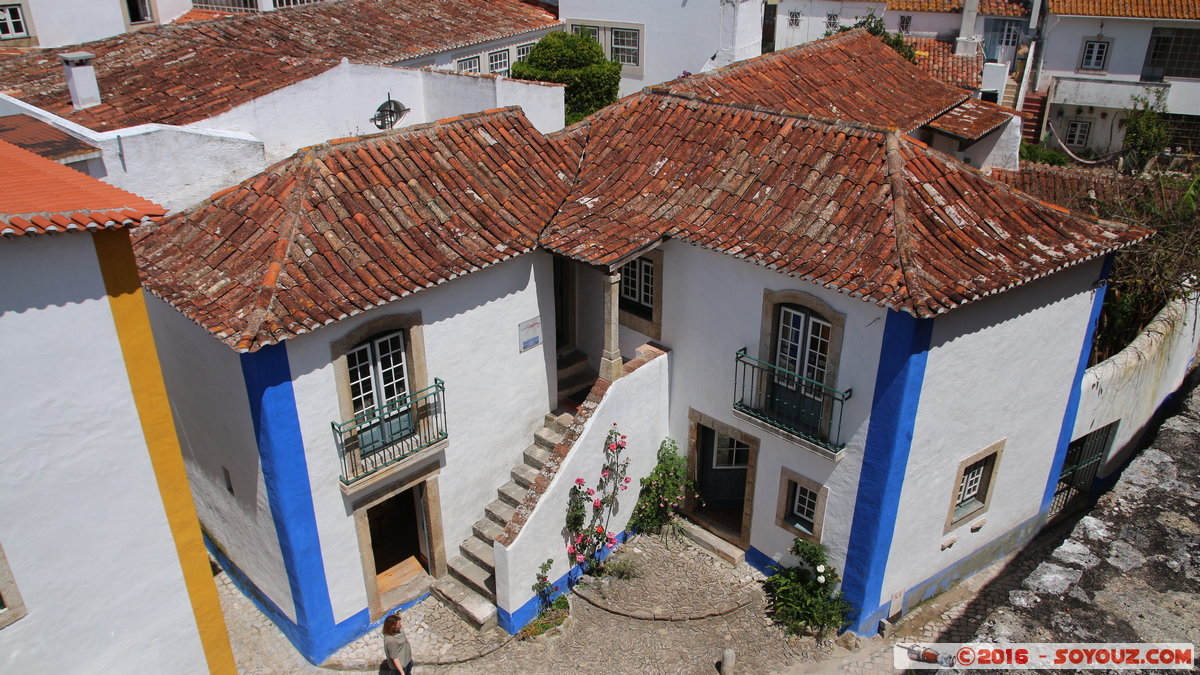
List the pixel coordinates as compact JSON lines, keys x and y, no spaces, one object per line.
{"x":611,"y":366}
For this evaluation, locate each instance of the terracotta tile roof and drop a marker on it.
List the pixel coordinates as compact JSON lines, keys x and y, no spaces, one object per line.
{"x":184,"y":73}
{"x":939,"y":60}
{"x":201,"y":15}
{"x":1140,"y":9}
{"x":974,"y":119}
{"x":850,"y":207}
{"x":40,"y":138}
{"x":39,"y":196}
{"x":850,"y":76}
{"x":349,"y":225}
{"x":1078,"y":189}
{"x":1015,"y":8}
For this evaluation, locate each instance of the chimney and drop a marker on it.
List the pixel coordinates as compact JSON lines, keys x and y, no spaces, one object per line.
{"x":81,"y":79}
{"x":969,"y":15}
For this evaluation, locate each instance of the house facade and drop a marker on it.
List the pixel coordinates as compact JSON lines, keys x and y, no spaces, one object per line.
{"x":81,"y":494}
{"x":1097,"y":58}
{"x":54,"y":23}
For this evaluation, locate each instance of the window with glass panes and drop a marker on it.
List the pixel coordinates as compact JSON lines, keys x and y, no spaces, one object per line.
{"x":832,"y":22}
{"x":1173,"y":52}
{"x":590,"y":31}
{"x":803,"y":344}
{"x":793,"y":18}
{"x":1077,"y":133}
{"x":1095,"y":53}
{"x":972,"y":489}
{"x":470,"y":65}
{"x":625,"y":46}
{"x":730,"y":453}
{"x":905,"y":23}
{"x":12,"y":24}
{"x":803,"y":505}
{"x":378,"y":373}
{"x":498,"y":62}
{"x":637,"y":287}
{"x":523,"y":52}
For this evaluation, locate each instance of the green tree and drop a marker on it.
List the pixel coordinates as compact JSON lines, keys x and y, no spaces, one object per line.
{"x":874,"y":25}
{"x":1147,"y":133}
{"x":578,"y":62}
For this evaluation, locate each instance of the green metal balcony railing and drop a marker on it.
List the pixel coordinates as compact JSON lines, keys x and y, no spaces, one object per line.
{"x":388,"y":434}
{"x":790,"y":401}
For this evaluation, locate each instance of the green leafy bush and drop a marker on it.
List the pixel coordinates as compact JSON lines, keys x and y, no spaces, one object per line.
{"x":1147,"y":132}
{"x":663,"y":491}
{"x":578,"y":62}
{"x":1039,"y":155}
{"x":803,"y":598}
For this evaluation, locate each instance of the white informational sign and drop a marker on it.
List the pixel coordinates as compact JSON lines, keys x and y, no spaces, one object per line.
{"x":530,"y":333}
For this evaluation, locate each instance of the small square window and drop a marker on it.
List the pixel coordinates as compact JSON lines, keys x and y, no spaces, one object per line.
{"x":523,"y":52}
{"x":793,"y":18}
{"x":832,"y":22}
{"x":905,"y":24}
{"x":1077,"y":133}
{"x":470,"y":65}
{"x":1095,"y":54}
{"x":590,"y":31}
{"x":498,"y":63}
{"x":730,"y":454}
{"x":801,"y":505}
{"x":974,"y":485}
{"x":12,"y":24}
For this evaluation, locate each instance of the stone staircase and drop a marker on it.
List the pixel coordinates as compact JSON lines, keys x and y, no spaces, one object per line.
{"x":470,"y":588}
{"x":1012,"y":90}
{"x":1035,"y":107}
{"x":574,"y":373}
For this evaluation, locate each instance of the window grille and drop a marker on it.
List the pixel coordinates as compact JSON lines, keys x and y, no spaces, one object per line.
{"x":1173,"y":52}
{"x":793,"y":19}
{"x":832,"y":22}
{"x":905,"y":24}
{"x":227,"y":5}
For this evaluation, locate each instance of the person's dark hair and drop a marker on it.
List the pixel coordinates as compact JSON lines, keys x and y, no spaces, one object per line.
{"x":391,"y":625}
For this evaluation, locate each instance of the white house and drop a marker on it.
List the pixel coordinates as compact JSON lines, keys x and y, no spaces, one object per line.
{"x":832,"y":318}
{"x":1098,"y":56}
{"x":99,"y":538}
{"x":236,"y":94}
{"x":54,"y":23}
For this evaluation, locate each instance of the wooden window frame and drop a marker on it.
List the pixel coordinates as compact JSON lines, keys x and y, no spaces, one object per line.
{"x":783,"y":509}
{"x":650,"y":326}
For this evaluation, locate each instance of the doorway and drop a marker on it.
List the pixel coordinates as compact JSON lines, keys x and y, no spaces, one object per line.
{"x":1084,"y":456}
{"x":721,"y":464}
{"x":564,"y":305}
{"x":398,"y":541}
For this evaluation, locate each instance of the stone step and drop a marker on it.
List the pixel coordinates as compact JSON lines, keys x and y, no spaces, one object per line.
{"x":577,"y":382}
{"x":512,"y":493}
{"x":524,"y":475}
{"x":500,"y":512}
{"x":559,"y":422}
{"x":547,"y":438}
{"x":465,"y":602}
{"x":473,"y":576}
{"x":710,"y":542}
{"x":569,"y":360}
{"x":536,"y":456}
{"x":487,"y":529}
{"x":480,"y":553}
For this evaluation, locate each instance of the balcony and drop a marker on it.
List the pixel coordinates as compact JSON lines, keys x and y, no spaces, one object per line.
{"x":383,"y":436}
{"x":1100,"y":92}
{"x":790,"y":402}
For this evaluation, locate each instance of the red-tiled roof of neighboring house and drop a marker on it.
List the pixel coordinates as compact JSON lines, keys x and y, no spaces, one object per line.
{"x":349,"y":225}
{"x":851,"y":76}
{"x":40,"y":196}
{"x":184,"y":73}
{"x":201,"y":15}
{"x":939,"y":60}
{"x":1080,"y":189}
{"x":852,"y":207}
{"x":1138,"y":9}
{"x":1014,"y":8}
{"x":973,"y":119}
{"x":40,"y":138}
{"x":344,"y":227}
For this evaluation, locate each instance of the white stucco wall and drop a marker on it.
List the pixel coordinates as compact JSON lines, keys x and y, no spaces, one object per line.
{"x":812,"y":16}
{"x":999,"y":368}
{"x":449,"y":60}
{"x":712,"y":307}
{"x":638,"y":404}
{"x":212,"y":419}
{"x":1131,"y":385}
{"x":169,"y":10}
{"x":1001,"y":149}
{"x":81,"y":519}
{"x":69,"y":22}
{"x":496,"y":397}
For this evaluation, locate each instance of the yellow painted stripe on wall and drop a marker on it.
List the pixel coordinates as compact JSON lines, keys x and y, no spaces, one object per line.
{"x":117,"y":265}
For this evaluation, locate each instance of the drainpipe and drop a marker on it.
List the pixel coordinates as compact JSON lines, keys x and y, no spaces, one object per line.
{"x":611,"y":366}
{"x":81,"y":79}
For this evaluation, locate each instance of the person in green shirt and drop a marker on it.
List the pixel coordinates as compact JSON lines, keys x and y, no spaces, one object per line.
{"x":395,"y":646}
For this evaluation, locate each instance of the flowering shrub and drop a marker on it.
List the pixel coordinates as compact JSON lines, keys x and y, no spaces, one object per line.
{"x":589,"y":510}
{"x":663,"y":491}
{"x":543,"y":587}
{"x":806,"y":597}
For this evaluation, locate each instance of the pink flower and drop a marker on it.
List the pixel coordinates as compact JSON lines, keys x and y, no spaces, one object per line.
{"x":612,"y":446}
{"x":579,"y":481}
{"x":556,"y":588}
{"x":596,"y":504}
{"x":624,"y":486}
{"x":599,"y":530}
{"x":570,"y":549}
{"x":608,"y":545}
{"x":621,"y":443}
{"x":628,"y":479}
{"x":622,"y":436}
{"x":604,"y":473}
{"x":591,"y":492}
{"x":578,"y":557}
{"x":578,"y":538}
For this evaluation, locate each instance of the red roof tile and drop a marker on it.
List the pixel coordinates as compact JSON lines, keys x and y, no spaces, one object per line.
{"x":40,"y":138}
{"x":39,"y":196}
{"x":1015,"y":8}
{"x":850,"y":76}
{"x":183,"y":73}
{"x":1140,"y":9}
{"x":855,"y":208}
{"x":974,"y":119}
{"x":939,"y":60}
{"x":340,"y":228}
{"x":201,"y":15}
{"x":1079,"y":189}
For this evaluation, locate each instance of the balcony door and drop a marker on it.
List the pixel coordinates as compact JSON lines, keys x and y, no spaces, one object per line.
{"x":379,"y":385}
{"x":802,"y":350}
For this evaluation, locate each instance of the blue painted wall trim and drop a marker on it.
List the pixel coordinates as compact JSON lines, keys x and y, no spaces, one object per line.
{"x":517,"y":619}
{"x":902,"y":360}
{"x":1072,"y":409}
{"x":276,"y":421}
{"x":760,"y":561}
